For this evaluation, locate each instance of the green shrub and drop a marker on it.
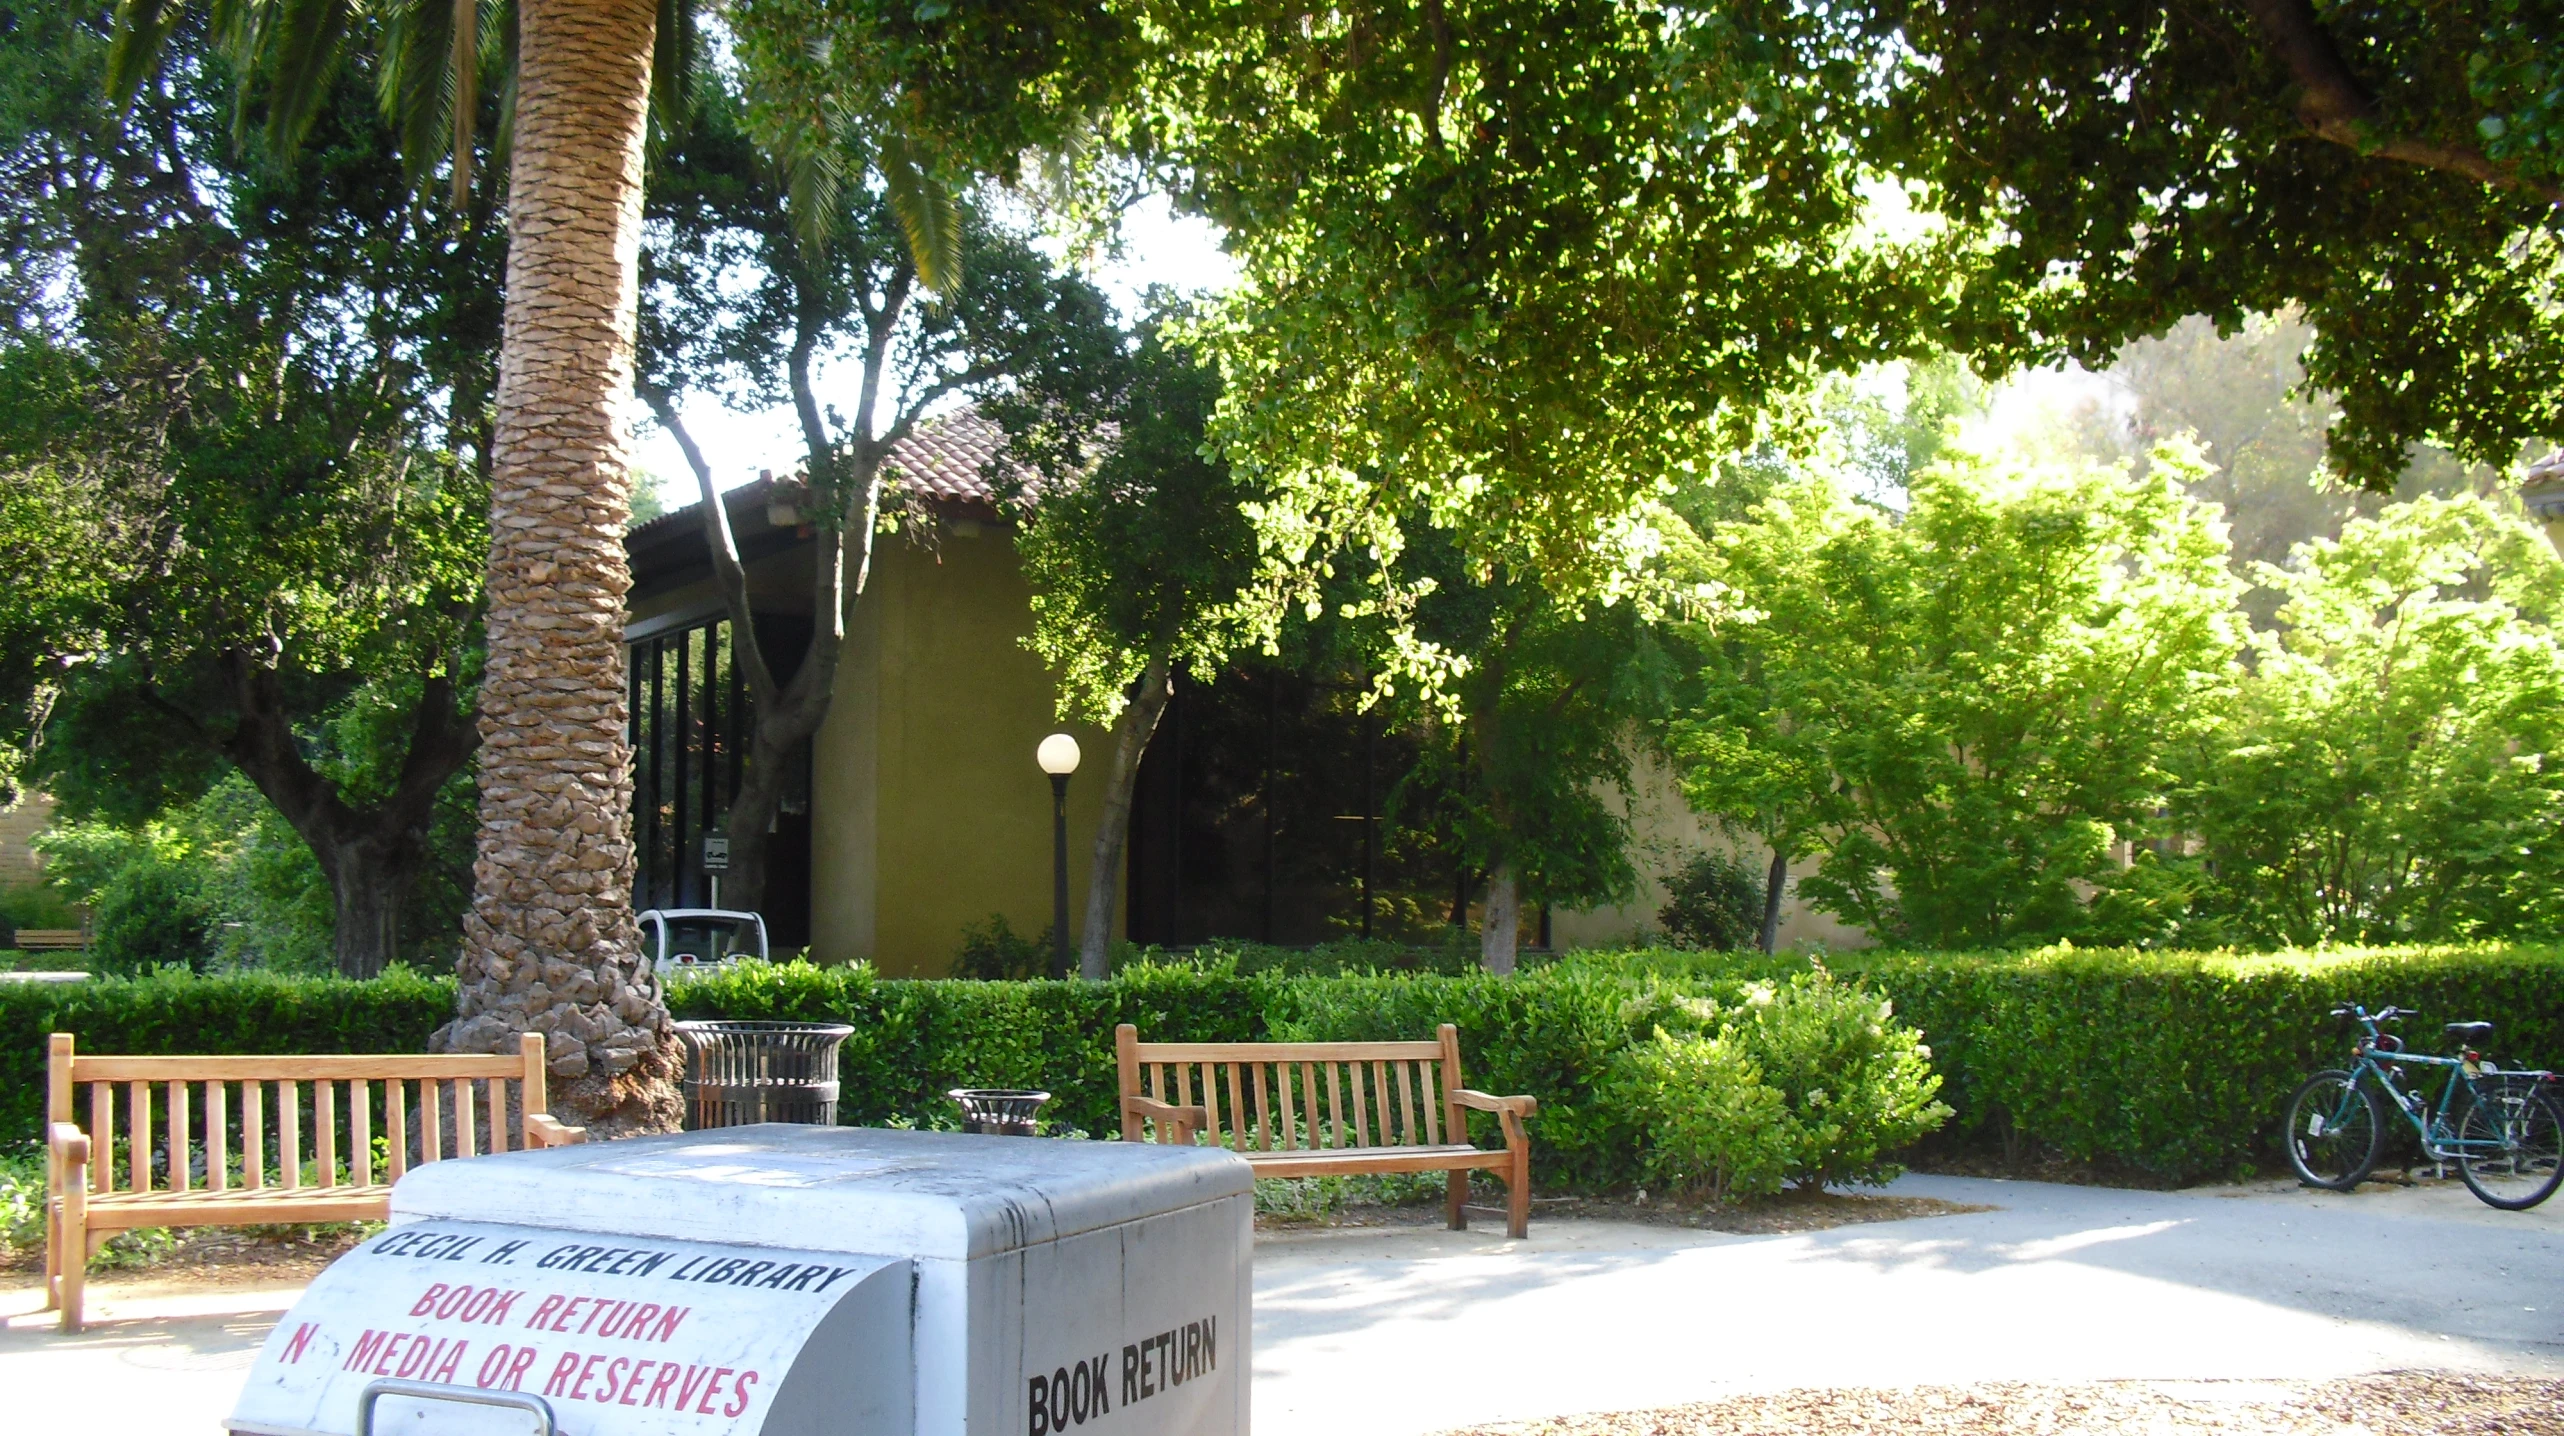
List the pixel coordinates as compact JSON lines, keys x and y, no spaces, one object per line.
{"x":1856,"y":1085}
{"x":2176,"y":1064}
{"x":2173,"y":1063}
{"x":152,"y":914}
{"x":1707,"y":1123}
{"x":1714,"y":902}
{"x":176,"y":1012}
{"x":34,"y":905}
{"x":994,"y":952}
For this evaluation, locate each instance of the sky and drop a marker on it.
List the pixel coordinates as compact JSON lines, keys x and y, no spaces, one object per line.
{"x":1158,"y":247}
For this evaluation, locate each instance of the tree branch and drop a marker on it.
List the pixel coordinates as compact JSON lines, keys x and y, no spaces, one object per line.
{"x":728,"y":573}
{"x":2334,"y":106}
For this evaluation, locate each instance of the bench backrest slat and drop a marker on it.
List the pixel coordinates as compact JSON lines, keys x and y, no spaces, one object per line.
{"x":210,"y":1141}
{"x":1294,"y":1096}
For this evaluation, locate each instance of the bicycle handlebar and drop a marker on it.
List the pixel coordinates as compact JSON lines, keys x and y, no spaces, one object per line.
{"x":2355,"y":1012}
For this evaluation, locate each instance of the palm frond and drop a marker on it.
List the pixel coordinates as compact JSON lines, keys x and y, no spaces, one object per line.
{"x":464,"y":63}
{"x":301,"y":48}
{"x":814,"y":175}
{"x":928,"y":211}
{"x":414,"y":85}
{"x":142,"y":29}
{"x":672,"y":64}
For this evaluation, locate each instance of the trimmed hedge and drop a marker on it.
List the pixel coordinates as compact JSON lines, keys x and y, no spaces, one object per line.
{"x":176,"y":1012}
{"x":2176,"y":1064}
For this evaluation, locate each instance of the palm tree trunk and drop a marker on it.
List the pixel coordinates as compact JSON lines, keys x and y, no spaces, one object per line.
{"x":1113,"y":830}
{"x":550,"y":945}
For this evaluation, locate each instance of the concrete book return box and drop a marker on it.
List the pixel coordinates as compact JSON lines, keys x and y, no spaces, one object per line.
{"x":786,"y":1280}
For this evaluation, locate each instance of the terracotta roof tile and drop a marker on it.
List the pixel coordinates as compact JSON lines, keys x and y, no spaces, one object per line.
{"x":946,"y":458}
{"x":939,"y":465}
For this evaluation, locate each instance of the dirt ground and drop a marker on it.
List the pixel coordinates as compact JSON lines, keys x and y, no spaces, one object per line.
{"x":2417,"y":1403}
{"x":214,"y":1257}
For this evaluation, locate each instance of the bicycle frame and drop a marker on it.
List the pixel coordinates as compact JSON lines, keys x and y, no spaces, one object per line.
{"x":2439,"y":1141}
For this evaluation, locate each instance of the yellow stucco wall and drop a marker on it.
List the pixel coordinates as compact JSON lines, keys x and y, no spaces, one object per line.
{"x":929,"y":813}
{"x":1664,"y":833}
{"x":19,"y":865}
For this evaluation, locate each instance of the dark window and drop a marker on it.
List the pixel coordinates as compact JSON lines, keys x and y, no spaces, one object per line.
{"x":689,"y":730}
{"x":1270,"y":808}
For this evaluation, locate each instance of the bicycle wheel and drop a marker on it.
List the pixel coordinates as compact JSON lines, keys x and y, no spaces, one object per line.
{"x":2511,"y":1146}
{"x":2334,"y":1131}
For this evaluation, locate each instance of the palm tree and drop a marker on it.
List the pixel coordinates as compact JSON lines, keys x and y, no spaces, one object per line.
{"x":550,"y":943}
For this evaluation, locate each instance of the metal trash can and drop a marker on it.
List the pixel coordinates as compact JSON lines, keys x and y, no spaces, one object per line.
{"x":743,"y":1072}
{"x":1000,"y":1111}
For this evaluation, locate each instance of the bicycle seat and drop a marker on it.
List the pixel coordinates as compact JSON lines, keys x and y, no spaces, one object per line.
{"x":2468,"y":1031}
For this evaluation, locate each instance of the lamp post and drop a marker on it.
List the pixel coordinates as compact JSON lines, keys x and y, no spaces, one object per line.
{"x":1058,"y":757}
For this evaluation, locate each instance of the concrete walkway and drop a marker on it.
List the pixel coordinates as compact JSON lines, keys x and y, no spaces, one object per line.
{"x":1404,"y":1331}
{"x":1390,"y":1333}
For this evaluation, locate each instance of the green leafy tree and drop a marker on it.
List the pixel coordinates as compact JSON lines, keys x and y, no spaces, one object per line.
{"x":1507,"y":263}
{"x":1963,"y":710}
{"x":1527,"y":741}
{"x":2390,"y":770}
{"x":229,"y":475}
{"x":1137,"y":542}
{"x":2391,"y":171}
{"x":746,"y":296}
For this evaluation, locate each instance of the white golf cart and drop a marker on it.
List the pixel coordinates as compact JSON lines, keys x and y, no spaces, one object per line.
{"x":678,"y":941}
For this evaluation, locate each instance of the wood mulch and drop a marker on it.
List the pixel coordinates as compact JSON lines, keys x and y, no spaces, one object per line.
{"x":2412,"y":1403}
{"x":1791,"y":1211}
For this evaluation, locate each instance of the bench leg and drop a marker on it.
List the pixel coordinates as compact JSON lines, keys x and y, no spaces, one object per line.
{"x":70,"y":1249}
{"x":1456,"y":1198}
{"x":53,"y":1253}
{"x":1518,"y":1193}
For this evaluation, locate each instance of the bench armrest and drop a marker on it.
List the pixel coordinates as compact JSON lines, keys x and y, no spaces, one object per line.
{"x":1187,"y":1121}
{"x":67,"y":1144}
{"x":1509,"y":1114}
{"x":545,"y":1130}
{"x":1485,"y":1102}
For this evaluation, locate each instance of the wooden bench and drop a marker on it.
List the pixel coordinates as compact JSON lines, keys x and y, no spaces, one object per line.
{"x":1322,"y":1109}
{"x":255,"y":1166}
{"x":50,"y":939}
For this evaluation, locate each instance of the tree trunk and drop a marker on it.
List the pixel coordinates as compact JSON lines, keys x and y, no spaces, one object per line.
{"x":1500,"y":922}
{"x":370,"y":855}
{"x":1775,"y":883}
{"x":550,"y":944}
{"x":1113,"y":829}
{"x":369,"y":882}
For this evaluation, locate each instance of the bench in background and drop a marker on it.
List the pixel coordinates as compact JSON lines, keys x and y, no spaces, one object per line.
{"x":1322,"y":1109}
{"x":461,"y":1108}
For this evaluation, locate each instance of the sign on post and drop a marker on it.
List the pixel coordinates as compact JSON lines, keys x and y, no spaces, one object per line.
{"x":716,"y":852}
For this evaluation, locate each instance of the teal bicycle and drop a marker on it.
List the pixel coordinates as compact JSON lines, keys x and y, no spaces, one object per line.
{"x":2503,"y":1131}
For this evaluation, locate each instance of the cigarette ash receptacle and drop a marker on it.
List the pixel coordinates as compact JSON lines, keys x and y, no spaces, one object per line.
{"x":786,"y":1280}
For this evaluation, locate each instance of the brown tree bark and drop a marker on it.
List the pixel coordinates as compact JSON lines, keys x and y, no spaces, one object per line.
{"x":1500,"y":920}
{"x":550,"y":945}
{"x":2336,"y":108}
{"x":1775,"y":883}
{"x":1131,"y":733}
{"x":369,"y":854}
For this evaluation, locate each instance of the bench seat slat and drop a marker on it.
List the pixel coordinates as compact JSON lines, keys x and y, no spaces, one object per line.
{"x":117,"y":1211}
{"x":1375,"y":1159}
